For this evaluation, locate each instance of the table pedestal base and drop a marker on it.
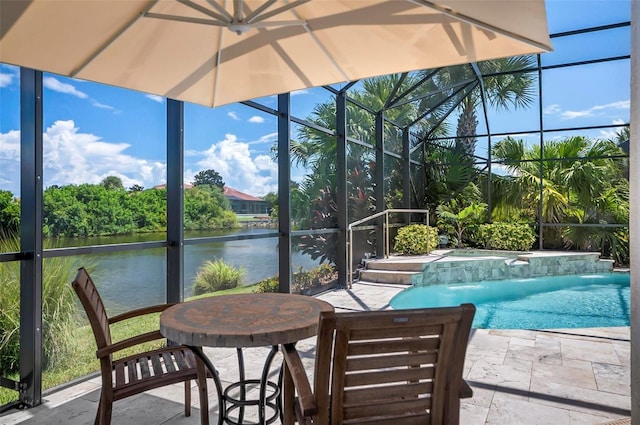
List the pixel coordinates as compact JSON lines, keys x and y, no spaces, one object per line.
{"x":268,"y":401}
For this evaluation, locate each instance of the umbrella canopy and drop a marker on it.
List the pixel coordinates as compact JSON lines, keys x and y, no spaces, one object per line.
{"x":215,"y":52}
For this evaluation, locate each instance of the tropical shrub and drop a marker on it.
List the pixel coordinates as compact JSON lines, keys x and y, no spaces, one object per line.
{"x":215,"y":276}
{"x":269,"y":284}
{"x":507,"y":236}
{"x":59,"y":309}
{"x":302,"y":279}
{"x":416,"y":239}
{"x":459,"y":219}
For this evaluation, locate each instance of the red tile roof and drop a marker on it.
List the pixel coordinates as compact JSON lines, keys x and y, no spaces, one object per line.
{"x":236,"y":194}
{"x":229,"y":192}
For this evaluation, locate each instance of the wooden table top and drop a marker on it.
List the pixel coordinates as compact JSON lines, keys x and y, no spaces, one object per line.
{"x":243,"y":320}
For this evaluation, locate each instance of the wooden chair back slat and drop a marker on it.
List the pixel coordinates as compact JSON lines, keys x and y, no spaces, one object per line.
{"x":402,"y":390}
{"x":395,"y":408}
{"x":387,"y":376}
{"x":386,"y":346}
{"x":393,"y":360}
{"x":393,"y":332}
{"x":409,"y":419}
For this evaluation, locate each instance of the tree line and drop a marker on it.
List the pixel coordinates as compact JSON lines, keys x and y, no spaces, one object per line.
{"x":110,"y":209}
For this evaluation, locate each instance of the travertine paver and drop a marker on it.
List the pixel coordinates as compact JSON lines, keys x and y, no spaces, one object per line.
{"x":519,"y":377}
{"x":612,"y":378}
{"x":559,"y":374}
{"x":506,"y":410}
{"x":589,"y":350}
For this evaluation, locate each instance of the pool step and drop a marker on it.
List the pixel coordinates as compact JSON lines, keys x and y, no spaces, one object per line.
{"x":393,"y":265}
{"x":388,"y":276}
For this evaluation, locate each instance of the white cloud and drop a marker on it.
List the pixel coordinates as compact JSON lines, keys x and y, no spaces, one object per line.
{"x":55,"y":85}
{"x":10,"y":161}
{"x":608,"y":134}
{"x":503,"y":170}
{"x":622,"y":104}
{"x":612,"y":133}
{"x":256,"y":119}
{"x":569,"y":115}
{"x":552,"y":109}
{"x":597,"y":109}
{"x":5,"y":79}
{"x":74,"y":157}
{"x":10,"y":145}
{"x":233,"y":115}
{"x":102,"y":105}
{"x":267,"y":138}
{"x":299,"y":92}
{"x":232,"y":160}
{"x":155,"y":98}
{"x":71,"y":157}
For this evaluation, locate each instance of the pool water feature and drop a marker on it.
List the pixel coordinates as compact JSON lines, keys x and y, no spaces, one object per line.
{"x":462,"y":266}
{"x":548,"y":302}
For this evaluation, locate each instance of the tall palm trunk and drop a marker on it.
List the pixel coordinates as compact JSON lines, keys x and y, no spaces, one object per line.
{"x":467,"y":126}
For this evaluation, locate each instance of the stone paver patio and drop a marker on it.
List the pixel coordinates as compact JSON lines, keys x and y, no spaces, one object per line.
{"x":519,"y":377}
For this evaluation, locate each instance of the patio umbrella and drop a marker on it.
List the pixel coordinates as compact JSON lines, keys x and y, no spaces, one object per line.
{"x":215,"y":52}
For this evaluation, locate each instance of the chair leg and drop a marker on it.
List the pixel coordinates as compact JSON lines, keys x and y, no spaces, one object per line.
{"x":202,"y":392}
{"x":97,"y":421}
{"x":288,"y":396}
{"x":187,"y":397}
{"x":105,"y":406}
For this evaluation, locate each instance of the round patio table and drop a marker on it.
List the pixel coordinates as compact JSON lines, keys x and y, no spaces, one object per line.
{"x":244,"y":320}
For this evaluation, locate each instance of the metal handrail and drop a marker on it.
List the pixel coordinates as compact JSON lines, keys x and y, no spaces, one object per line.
{"x":386,"y":234}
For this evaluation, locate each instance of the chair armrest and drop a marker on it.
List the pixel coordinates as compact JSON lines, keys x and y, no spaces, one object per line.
{"x":306,"y":399}
{"x":465,"y":390}
{"x":139,"y":312}
{"x":129,"y":342}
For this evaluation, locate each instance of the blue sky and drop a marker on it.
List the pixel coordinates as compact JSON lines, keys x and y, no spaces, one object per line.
{"x":93,"y":131}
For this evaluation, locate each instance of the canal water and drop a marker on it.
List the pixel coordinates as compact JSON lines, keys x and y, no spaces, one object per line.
{"x":137,"y":278}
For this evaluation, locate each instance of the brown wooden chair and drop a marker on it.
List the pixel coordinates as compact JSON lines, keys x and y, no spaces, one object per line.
{"x":384,"y":367}
{"x":143,"y":371}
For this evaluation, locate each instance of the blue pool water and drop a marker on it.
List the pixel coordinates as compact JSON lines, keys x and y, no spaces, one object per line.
{"x":570,"y":301}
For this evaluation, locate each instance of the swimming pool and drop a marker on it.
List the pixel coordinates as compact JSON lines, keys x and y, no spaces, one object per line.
{"x":568,"y":301}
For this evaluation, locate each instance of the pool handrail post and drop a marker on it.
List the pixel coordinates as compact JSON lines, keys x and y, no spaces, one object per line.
{"x":385,"y":234}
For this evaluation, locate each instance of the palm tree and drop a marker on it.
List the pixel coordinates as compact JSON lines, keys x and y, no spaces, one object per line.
{"x":505,"y":85}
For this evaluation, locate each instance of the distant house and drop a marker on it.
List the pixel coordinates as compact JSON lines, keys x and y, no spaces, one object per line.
{"x":242,"y":203}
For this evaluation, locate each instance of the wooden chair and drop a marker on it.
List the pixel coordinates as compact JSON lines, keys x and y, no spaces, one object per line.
{"x":388,"y":367}
{"x":143,"y":371}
